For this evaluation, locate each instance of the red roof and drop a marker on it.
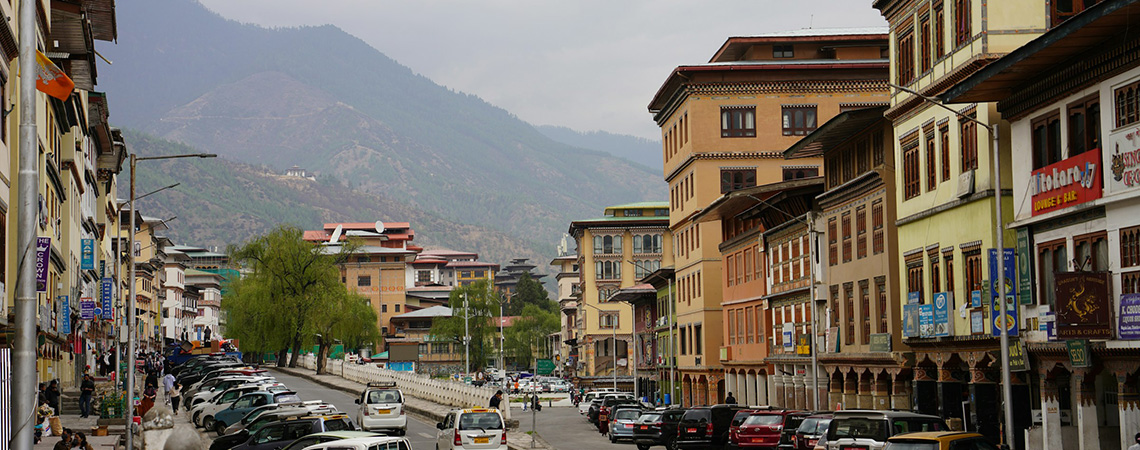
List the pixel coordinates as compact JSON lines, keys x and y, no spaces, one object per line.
{"x":316,"y":235}
{"x":471,"y":264}
{"x":369,"y":226}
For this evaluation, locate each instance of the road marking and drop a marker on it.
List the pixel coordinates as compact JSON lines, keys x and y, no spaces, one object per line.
{"x":425,"y":435}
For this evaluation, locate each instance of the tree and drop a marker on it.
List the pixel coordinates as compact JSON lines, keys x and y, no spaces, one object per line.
{"x":527,"y":331}
{"x":482,"y":306}
{"x":344,"y":316}
{"x":294,"y":276}
{"x":529,"y":291}
{"x":250,"y":318}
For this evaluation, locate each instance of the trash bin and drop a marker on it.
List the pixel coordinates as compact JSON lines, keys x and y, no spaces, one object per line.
{"x":668,"y":399}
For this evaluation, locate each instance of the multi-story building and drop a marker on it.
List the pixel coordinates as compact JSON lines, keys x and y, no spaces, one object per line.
{"x":378,"y":267}
{"x":450,"y":268}
{"x":724,"y":126}
{"x":614,"y":251}
{"x":508,"y":278}
{"x":567,"y":295}
{"x":209,"y":303}
{"x":176,"y":322}
{"x":1074,"y":146}
{"x":435,"y":356}
{"x":867,"y":365}
{"x":945,"y":202}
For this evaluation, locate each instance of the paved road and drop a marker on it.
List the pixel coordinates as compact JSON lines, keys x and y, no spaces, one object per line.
{"x":565,"y":429}
{"x":422,"y":434}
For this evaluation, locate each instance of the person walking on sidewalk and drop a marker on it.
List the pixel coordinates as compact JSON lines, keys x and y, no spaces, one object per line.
{"x":168,"y":384}
{"x":497,"y":399}
{"x":86,"y":390}
{"x":52,"y":395}
{"x":175,"y":394}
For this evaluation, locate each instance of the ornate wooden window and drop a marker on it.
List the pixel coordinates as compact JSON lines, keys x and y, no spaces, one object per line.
{"x":1052,"y":257}
{"x":846,"y":236}
{"x":738,"y":121}
{"x":969,"y":137}
{"x":865,"y":310}
{"x":849,"y":300}
{"x":798,"y":120}
{"x":861,"y":231}
{"x":1063,"y":10}
{"x":944,"y":140}
{"x":924,"y":40}
{"x":1130,"y":247}
{"x":877,"y":244}
{"x":881,"y":295}
{"x":931,"y":163}
{"x":832,"y":242}
{"x":734,"y":179}
{"x":1046,"y":140}
{"x":905,"y":54}
{"x":1127,"y":104}
{"x":939,"y":30}
{"x":911,"y":181}
{"x":962,"y":22}
{"x":1084,"y":125}
{"x":973,"y":270}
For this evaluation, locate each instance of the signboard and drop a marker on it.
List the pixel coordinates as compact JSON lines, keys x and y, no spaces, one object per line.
{"x":1079,"y":353}
{"x":975,"y":299}
{"x":926,"y":320}
{"x":881,"y":343}
{"x":787,"y":333}
{"x":86,"y":308}
{"x":102,"y":268}
{"x":1024,"y":267}
{"x":912,"y":298}
{"x":1017,"y":361}
{"x":544,"y":367}
{"x":910,"y":321}
{"x":106,"y":291}
{"x":43,"y":246}
{"x":1124,"y":162}
{"x":1129,"y":316}
{"x":977,"y":321}
{"x":1084,"y":310}
{"x":1010,"y":314}
{"x":833,"y":340}
{"x":65,"y":315}
{"x":803,"y":345}
{"x":943,"y":304}
{"x":1066,"y":183}
{"x":87,"y":249}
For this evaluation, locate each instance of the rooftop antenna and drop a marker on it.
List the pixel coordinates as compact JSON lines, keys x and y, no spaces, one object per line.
{"x":811,"y":21}
{"x":380,"y":226}
{"x":336,"y":234}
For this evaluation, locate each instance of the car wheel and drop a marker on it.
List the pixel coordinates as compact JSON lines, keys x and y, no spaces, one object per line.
{"x":195,"y":418}
{"x":208,"y":423}
{"x":642,"y":447}
{"x":612,"y":438}
{"x":220,"y":428}
{"x":402,"y":432}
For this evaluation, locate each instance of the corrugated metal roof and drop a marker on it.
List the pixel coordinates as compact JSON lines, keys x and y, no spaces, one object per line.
{"x":434,"y":311}
{"x":805,"y":32}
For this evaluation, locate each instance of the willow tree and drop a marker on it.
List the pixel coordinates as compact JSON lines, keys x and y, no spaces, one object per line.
{"x":475,"y":321}
{"x":344,"y":316}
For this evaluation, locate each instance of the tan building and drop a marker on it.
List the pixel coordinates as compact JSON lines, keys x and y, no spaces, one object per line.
{"x":614,"y":251}
{"x":724,"y":126}
{"x":567,"y":295}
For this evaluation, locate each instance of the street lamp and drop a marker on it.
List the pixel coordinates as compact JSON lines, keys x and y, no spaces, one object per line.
{"x":1006,"y":389}
{"x":613,"y":328}
{"x":131,"y":344}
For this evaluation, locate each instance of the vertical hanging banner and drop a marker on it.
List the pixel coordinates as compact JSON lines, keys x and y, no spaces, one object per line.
{"x":87,"y":261}
{"x":943,"y":305}
{"x":107,"y":291}
{"x":86,"y":308}
{"x":997,"y":315}
{"x":43,"y":246}
{"x":1024,"y":267}
{"x":64,"y":315}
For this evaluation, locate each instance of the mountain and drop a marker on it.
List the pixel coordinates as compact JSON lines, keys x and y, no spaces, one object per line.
{"x":322,"y":99}
{"x":221,"y":201}
{"x":639,"y":150}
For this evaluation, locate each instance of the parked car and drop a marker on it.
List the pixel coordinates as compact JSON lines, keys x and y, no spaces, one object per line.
{"x":244,"y":404}
{"x":870,"y":429}
{"x":364,"y":443}
{"x":223,"y":401}
{"x":472,"y":429}
{"x":705,"y":426}
{"x":607,"y":404}
{"x":734,"y":426}
{"x":767,"y":429}
{"x":327,"y":437}
{"x":647,"y":429}
{"x":240,"y":435}
{"x":621,"y":422}
{"x":939,"y":440}
{"x":382,"y":409}
{"x":281,"y":433}
{"x":313,"y":407}
{"x":810,"y":430}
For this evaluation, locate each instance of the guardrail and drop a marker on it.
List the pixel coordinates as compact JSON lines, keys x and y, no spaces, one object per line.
{"x":444,"y":392}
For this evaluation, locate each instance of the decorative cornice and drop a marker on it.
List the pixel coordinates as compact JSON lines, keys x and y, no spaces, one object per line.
{"x":693,"y":157}
{"x":788,"y":87}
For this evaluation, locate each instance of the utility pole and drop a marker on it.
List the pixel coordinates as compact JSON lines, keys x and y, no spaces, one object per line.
{"x":466,"y":337}
{"x":24,"y":345}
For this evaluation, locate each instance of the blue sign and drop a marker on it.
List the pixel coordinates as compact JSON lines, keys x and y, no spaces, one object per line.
{"x":402,"y":366}
{"x":926,"y":320}
{"x":912,"y":298}
{"x":975,"y":299}
{"x":107,"y":288}
{"x":910,"y":321}
{"x":943,"y":304}
{"x":1130,"y":316}
{"x":1010,"y":313}
{"x":86,"y":308}
{"x":87,"y":247}
{"x":65,"y":315}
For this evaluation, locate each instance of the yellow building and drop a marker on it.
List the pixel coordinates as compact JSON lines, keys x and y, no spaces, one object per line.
{"x":614,"y":251}
{"x":724,"y":126}
{"x":945,"y":195}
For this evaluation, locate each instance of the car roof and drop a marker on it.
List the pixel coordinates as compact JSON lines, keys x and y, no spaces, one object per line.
{"x":344,"y":434}
{"x":872,"y":414}
{"x":932,"y":436}
{"x":367,"y":440}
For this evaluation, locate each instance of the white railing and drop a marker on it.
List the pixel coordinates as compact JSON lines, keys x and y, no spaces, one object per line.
{"x":444,"y":392}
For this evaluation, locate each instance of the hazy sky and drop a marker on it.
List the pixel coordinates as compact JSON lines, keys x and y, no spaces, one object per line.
{"x":584,"y":64}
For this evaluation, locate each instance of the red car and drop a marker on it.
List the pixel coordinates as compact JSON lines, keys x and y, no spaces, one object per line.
{"x":762,"y":429}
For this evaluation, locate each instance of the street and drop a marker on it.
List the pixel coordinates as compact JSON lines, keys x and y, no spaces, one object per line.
{"x":420,"y":433}
{"x":565,"y":429}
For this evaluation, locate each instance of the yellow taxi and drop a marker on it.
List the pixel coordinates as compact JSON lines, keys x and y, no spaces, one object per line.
{"x":939,"y":440}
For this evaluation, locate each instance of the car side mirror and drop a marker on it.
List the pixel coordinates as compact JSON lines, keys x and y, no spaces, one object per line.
{"x":439,"y":425}
{"x":358,"y":401}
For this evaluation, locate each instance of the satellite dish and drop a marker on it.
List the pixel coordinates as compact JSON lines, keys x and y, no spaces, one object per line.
{"x":336,"y":234}
{"x":380,"y":226}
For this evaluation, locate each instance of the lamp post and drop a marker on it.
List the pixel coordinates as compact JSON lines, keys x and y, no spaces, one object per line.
{"x":1006,"y":389}
{"x":613,"y":339}
{"x":131,"y":325}
{"x":466,"y":337}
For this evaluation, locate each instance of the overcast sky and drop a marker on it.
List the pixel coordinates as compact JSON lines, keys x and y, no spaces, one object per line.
{"x":584,"y":64}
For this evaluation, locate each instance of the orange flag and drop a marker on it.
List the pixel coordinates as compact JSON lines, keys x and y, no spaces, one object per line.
{"x":51,"y":80}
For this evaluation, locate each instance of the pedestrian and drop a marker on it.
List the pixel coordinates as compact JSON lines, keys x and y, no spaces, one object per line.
{"x":52,"y":394}
{"x":81,"y":441}
{"x":149,"y":395}
{"x":168,"y":383}
{"x":64,"y":440}
{"x":151,"y":379}
{"x":1135,"y":446}
{"x":175,"y":395}
{"x":497,"y":399}
{"x":86,"y":390}
{"x":730,"y":399}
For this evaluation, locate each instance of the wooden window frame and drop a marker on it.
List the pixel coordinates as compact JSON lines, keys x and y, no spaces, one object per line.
{"x":1045,"y":146}
{"x":783,"y":51}
{"x":878,"y":244}
{"x":1091,"y":239}
{"x":931,"y":162}
{"x":738,"y":122}
{"x":1130,"y":282}
{"x":1083,"y":124}
{"x":849,"y":307}
{"x":974,"y":274}
{"x":883,"y":302}
{"x":1057,"y":16}
{"x":861,"y":232}
{"x":1129,"y":246}
{"x":912,"y":182}
{"x":962,"y":22}
{"x":948,"y":263}
{"x":935,"y":273}
{"x":845,"y":225}
{"x":914,"y":279}
{"x":944,"y":140}
{"x":969,"y":142}
{"x":738,"y":179}
{"x":865,"y":311}
{"x":939,"y":30}
{"x":834,"y":291}
{"x":877,"y":149}
{"x":1046,"y":284}
{"x":1127,"y":104}
{"x":904,"y":54}
{"x":790,"y":127}
{"x":925,"y":58}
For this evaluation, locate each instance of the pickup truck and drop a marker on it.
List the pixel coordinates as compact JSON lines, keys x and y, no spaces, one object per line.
{"x":246,"y":403}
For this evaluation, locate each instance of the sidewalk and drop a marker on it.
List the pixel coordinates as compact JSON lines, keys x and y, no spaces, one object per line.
{"x":70,"y":419}
{"x":429,"y":411}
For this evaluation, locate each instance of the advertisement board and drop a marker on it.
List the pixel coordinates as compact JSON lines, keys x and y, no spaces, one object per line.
{"x":1129,"y":316}
{"x":1084,"y":310}
{"x":1066,"y":183}
{"x":943,"y":305}
{"x":1010,"y":302}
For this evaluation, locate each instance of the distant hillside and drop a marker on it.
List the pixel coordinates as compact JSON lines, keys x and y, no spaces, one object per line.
{"x":322,"y":99}
{"x":639,"y":150}
{"x":222,"y":202}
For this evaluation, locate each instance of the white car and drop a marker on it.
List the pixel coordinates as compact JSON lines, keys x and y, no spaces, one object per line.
{"x":382,"y":409}
{"x":472,"y":429}
{"x":274,"y":411}
{"x":366,"y":443}
{"x":229,"y":396}
{"x":222,"y":386}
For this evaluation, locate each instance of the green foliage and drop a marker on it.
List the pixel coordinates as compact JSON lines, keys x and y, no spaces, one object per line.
{"x":531,"y":328}
{"x":252,"y":317}
{"x":529,"y":292}
{"x":343,"y":316}
{"x":482,"y":308}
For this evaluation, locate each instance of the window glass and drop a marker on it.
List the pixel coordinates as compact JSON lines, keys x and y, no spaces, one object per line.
{"x":764,"y":419}
{"x":856,"y":428}
{"x":384,"y":396}
{"x":337,"y":425}
{"x":484,"y":420}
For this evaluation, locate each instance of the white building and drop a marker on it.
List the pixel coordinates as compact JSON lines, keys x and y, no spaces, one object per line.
{"x":209,"y":287}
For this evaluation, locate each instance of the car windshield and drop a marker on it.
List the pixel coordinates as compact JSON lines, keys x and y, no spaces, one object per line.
{"x":764,"y":419}
{"x":739,"y":418}
{"x":858,"y":428}
{"x":480,"y":421}
{"x":627,"y":414}
{"x":649,"y":418}
{"x":915,"y":425}
{"x":911,"y":446}
{"x":696,"y":415}
{"x":813,"y":426}
{"x":384,"y":396}
{"x":286,"y":398}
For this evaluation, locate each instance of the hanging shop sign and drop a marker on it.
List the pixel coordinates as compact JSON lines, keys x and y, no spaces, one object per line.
{"x":1066,"y":183}
{"x":86,"y":308}
{"x":926,"y":320}
{"x":1084,"y":310}
{"x":1017,"y":361}
{"x":1024,"y":267}
{"x":64,"y":315}
{"x":87,"y":248}
{"x":106,"y":291}
{"x":1079,"y":353}
{"x":43,"y":246}
{"x":910,"y":321}
{"x":1129,"y":316}
{"x":1008,"y":318}
{"x":803,"y":345}
{"x":943,"y":304}
{"x":1124,"y":161}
